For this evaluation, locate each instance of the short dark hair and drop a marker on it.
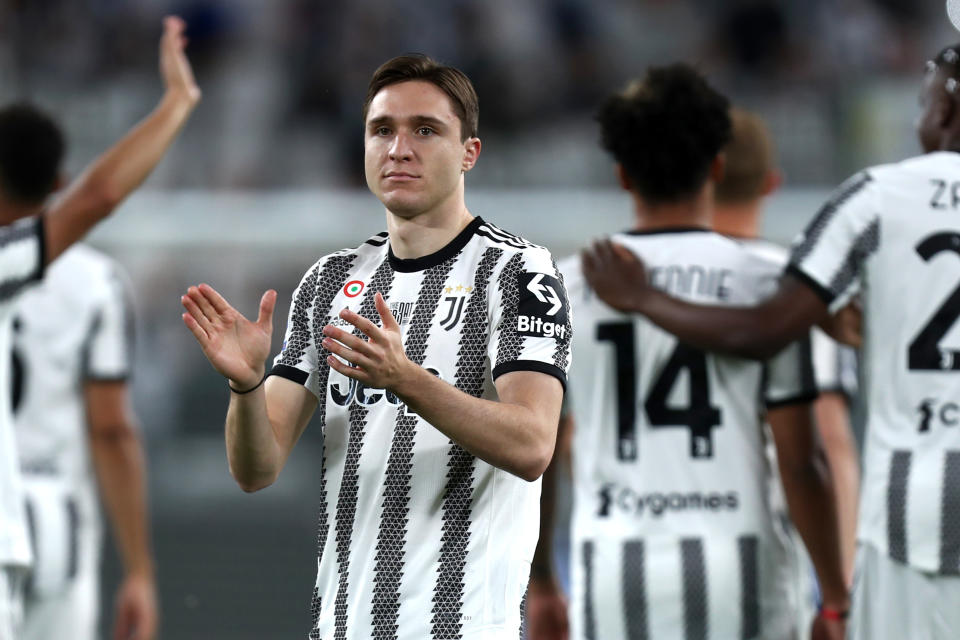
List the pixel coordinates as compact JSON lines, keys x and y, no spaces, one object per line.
{"x":31,"y":150}
{"x":452,"y":81}
{"x":665,"y":131}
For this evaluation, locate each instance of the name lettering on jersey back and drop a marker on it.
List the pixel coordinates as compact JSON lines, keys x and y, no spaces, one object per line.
{"x":542,"y":307}
{"x":627,"y":501}
{"x":946,"y":194}
{"x":691,"y":278}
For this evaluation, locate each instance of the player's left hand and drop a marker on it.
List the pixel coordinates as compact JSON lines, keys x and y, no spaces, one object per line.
{"x":379,"y":361}
{"x":615,"y":274}
{"x":136,"y":609}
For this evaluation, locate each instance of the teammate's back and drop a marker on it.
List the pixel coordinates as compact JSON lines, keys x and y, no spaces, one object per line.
{"x":893,"y":232}
{"x":671,"y":480}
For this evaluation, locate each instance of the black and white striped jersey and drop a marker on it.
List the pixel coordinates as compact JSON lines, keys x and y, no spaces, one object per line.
{"x":21,"y":262}
{"x":418,"y":538}
{"x":892,"y":233}
{"x":674,"y":532}
{"x":75,"y":327}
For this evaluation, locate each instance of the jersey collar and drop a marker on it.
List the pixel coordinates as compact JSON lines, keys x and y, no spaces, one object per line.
{"x":407,"y":265}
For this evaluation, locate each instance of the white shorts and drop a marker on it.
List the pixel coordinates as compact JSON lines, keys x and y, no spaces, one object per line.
{"x":62,"y":598}
{"x":11,"y":601}
{"x":897,"y":602}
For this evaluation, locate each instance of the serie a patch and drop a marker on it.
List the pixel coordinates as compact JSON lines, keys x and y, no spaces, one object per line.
{"x":542,"y":310}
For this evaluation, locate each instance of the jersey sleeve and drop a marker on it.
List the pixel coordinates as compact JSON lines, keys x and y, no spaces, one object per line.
{"x":298,"y":357}
{"x":530,"y":317}
{"x":834,"y":365}
{"x":829,"y":254}
{"x":22,"y":257}
{"x":789,"y":377}
{"x":108,"y":353}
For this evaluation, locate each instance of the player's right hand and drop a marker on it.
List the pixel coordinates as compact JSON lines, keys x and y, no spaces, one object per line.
{"x":546,"y":611}
{"x":235,"y":346}
{"x":174,"y":67}
{"x":616,"y":275}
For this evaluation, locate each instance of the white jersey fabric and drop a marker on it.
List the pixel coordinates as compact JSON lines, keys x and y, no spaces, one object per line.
{"x":21,"y":263}
{"x":892,"y":233}
{"x":674,"y":533}
{"x":76,"y":327}
{"x":418,"y":538}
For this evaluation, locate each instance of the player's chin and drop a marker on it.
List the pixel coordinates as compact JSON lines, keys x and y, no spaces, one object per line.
{"x":404,"y":204}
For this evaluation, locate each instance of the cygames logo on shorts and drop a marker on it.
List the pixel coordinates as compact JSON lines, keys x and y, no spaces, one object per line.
{"x":542,"y":308}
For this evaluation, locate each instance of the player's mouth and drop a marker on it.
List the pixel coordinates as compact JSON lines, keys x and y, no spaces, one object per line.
{"x":399,"y":176}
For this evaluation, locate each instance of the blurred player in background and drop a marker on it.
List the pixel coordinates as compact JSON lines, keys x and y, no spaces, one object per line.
{"x":749,"y":177}
{"x":889,"y":233}
{"x":436,"y":355}
{"x":35,"y":233}
{"x":674,"y":535}
{"x":72,"y":350}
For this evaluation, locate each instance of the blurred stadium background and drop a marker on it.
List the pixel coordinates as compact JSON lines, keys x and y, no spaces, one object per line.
{"x":268,"y":176}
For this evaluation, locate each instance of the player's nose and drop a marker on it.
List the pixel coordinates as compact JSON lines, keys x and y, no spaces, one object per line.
{"x":401,"y":147}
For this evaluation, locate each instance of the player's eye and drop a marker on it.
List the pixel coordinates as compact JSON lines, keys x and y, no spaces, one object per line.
{"x":381,"y":131}
{"x":425,"y":131}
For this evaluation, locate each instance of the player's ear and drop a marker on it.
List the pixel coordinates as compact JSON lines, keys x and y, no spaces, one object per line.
{"x":622,"y":178}
{"x":772,"y":182}
{"x":471,"y":147}
{"x":717,"y":167}
{"x":61,"y":181}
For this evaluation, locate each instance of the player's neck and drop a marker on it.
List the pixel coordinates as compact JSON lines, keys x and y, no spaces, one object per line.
{"x":11,"y":212}
{"x":737,"y":220}
{"x":696,"y":212}
{"x":428,"y":232}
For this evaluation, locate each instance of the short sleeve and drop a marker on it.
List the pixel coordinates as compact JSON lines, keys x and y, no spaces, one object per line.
{"x":297,"y":360}
{"x":789,"y":377}
{"x":829,"y":254}
{"x":109,"y":350}
{"x":834,"y":365}
{"x":22,"y":258}
{"x":530,"y":317}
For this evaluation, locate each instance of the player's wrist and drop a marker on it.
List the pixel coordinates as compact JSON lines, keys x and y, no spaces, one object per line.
{"x":246,"y":385}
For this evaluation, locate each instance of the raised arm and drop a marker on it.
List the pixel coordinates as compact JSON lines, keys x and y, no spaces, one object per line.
{"x":264,"y":421}
{"x":518,"y":433}
{"x":106,"y":182}
{"x":619,"y":279}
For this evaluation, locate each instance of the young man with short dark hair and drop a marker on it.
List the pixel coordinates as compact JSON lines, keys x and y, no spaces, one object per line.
{"x":435,"y":354}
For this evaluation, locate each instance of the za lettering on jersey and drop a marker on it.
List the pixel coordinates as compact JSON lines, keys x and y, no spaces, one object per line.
{"x":422,"y":545}
{"x":892,"y":235}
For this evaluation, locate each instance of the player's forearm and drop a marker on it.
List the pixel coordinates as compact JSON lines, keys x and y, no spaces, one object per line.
{"x":810,"y":497}
{"x":120,"y":467}
{"x":253,"y":453}
{"x":511,"y":437}
{"x":731,"y":330}
{"x":835,"y":432}
{"x":116,"y":173}
{"x":542,"y":566}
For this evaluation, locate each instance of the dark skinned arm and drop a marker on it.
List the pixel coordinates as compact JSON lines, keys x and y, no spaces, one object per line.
{"x":619,"y":278}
